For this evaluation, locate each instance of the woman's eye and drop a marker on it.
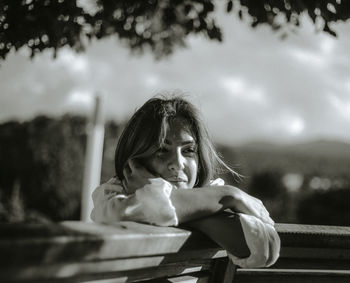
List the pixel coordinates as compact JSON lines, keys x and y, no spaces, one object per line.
{"x":191,"y":150}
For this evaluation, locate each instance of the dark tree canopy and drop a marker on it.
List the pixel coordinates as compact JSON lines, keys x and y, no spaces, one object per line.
{"x":42,"y":165}
{"x":159,"y":25}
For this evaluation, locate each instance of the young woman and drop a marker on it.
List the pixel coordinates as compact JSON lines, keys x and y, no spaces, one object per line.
{"x":165,"y":175}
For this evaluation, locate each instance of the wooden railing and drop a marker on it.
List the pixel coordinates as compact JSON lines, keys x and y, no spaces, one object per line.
{"x":127,"y":252}
{"x":309,"y":253}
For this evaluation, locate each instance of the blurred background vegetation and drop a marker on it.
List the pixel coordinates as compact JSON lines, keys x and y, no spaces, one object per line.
{"x":42,"y":165}
{"x":42,"y":159}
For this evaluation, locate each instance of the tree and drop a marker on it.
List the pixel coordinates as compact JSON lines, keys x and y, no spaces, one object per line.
{"x":268,"y":186}
{"x":325,"y":208}
{"x":158,"y":25}
{"x":41,"y":168}
{"x":42,"y":164}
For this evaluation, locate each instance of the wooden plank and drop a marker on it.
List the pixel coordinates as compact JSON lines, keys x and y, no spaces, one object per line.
{"x":313,"y":263}
{"x":308,"y":253}
{"x":77,"y":241}
{"x":291,"y":276}
{"x":98,"y":241}
{"x":131,"y":251}
{"x":312,"y":236}
{"x":290,"y":228}
{"x":315,"y":258}
{"x":89,"y":241}
{"x":135,"y":268}
{"x":198,"y":278}
{"x":319,"y":253}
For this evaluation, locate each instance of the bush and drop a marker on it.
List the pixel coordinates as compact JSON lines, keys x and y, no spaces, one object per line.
{"x":325,"y":208}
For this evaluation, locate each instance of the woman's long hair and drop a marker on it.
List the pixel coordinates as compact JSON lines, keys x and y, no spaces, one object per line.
{"x":146,"y":130}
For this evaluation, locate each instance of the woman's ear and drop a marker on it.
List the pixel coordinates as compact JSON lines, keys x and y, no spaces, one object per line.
{"x":126,"y":170}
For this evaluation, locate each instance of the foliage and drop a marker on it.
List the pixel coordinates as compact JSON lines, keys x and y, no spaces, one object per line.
{"x":264,"y":167}
{"x":42,"y":162}
{"x":266,"y":185}
{"x":41,"y":171}
{"x":41,"y":167}
{"x":325,"y":208}
{"x":159,"y":25}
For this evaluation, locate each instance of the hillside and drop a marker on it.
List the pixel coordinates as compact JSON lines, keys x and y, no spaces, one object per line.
{"x":322,"y":148}
{"x":321,"y":157}
{"x":298,"y":183}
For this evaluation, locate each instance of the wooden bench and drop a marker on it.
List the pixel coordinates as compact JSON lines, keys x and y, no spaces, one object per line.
{"x":128,"y":252}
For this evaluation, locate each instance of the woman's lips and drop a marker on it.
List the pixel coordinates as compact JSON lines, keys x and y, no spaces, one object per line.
{"x":176,"y":179}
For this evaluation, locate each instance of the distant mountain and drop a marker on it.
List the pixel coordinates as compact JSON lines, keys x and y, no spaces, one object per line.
{"x":321,"y":157}
{"x":322,"y":148}
{"x":260,"y":145}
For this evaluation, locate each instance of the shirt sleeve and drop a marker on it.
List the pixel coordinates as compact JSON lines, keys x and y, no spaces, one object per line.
{"x":217,"y":182}
{"x":262,"y":240}
{"x":151,"y":204}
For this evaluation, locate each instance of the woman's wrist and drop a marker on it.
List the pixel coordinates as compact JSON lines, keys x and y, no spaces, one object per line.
{"x":239,"y":201}
{"x":229,"y":196}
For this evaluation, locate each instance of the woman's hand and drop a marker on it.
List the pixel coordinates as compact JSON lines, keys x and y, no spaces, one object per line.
{"x":135,"y":176}
{"x":239,"y":201}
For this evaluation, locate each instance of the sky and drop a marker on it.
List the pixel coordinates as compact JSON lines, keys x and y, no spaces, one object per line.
{"x":253,"y":86}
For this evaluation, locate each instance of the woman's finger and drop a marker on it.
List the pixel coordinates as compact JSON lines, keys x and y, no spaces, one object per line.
{"x":259,"y":210}
{"x":253,"y":206}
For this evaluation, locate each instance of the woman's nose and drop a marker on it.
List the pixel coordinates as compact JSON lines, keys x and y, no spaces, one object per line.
{"x":176,"y":162}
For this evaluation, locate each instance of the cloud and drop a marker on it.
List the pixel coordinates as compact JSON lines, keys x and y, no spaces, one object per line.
{"x":287,"y":123}
{"x":240,"y":90}
{"x":76,"y":63}
{"x":340,"y":105}
{"x":252,"y":86}
{"x":79,"y":99}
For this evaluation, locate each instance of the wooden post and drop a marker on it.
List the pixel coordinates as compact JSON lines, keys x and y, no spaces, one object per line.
{"x":93,"y":158}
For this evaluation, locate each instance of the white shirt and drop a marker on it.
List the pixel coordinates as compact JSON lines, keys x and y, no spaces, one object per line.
{"x":152,"y":204}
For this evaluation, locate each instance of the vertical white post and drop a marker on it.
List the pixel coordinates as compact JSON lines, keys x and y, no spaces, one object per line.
{"x":93,"y":158}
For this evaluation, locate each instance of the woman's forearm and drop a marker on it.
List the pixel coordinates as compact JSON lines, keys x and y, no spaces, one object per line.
{"x":198,"y":203}
{"x":250,"y":242}
{"x":226,"y":230}
{"x":205,"y":201}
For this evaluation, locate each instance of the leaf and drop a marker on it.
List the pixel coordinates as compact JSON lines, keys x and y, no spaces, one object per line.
{"x":64,"y":22}
{"x":229,"y":6}
{"x":327,"y":29}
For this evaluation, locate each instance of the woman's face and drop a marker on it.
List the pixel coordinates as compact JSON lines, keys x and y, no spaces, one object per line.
{"x":177,"y":160}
